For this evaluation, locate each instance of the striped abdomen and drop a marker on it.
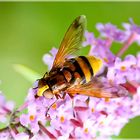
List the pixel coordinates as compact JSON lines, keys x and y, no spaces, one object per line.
{"x":81,"y":68}
{"x":77,"y":70}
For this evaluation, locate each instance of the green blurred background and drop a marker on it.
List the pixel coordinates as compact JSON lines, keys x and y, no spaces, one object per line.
{"x":29,"y":30}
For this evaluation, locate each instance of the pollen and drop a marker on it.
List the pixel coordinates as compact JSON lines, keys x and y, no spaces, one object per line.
{"x":107,"y":99}
{"x":62,"y":119}
{"x":123,"y":68}
{"x":101,"y":123}
{"x":92,"y":110}
{"x":86,"y":130}
{"x":54,"y":106}
{"x":106,"y":60}
{"x":32,"y":117}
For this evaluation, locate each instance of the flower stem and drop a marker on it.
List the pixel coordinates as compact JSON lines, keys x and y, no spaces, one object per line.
{"x":6,"y":110}
{"x":4,"y":129}
{"x":42,"y":127}
{"x":126,"y":44}
{"x":22,"y":107}
{"x":13,"y":130}
{"x":8,"y":127}
{"x":109,"y":42}
{"x":27,"y":130}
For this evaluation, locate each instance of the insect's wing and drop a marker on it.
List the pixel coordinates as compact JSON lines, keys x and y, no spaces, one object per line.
{"x":71,"y":41}
{"x":98,"y":88}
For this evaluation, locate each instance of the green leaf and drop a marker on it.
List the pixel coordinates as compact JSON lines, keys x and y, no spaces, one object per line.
{"x":26,"y":72}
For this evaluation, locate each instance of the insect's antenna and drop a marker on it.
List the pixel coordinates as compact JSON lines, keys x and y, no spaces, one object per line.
{"x":34,"y":87}
{"x":50,"y":107}
{"x":45,"y":75}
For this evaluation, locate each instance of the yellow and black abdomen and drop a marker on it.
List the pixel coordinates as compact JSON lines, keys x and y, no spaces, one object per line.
{"x":81,"y":68}
{"x":77,"y":70}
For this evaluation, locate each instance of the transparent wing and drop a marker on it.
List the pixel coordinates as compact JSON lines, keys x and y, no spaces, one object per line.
{"x":71,"y":42}
{"x":98,"y":88}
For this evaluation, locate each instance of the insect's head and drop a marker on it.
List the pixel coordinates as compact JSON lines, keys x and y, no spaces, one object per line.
{"x":43,"y":88}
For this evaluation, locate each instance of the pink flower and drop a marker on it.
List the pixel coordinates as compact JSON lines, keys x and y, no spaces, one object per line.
{"x":132,"y":29}
{"x":49,"y":58}
{"x":84,"y":117}
{"x":111,"y":31}
{"x":99,"y":48}
{"x":124,"y":70}
{"x":21,"y":136}
{"x":36,"y":113}
{"x":90,"y":39}
{"x":6,"y":108}
{"x":5,"y":135}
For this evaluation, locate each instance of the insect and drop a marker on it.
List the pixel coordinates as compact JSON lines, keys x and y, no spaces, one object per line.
{"x":75,"y":75}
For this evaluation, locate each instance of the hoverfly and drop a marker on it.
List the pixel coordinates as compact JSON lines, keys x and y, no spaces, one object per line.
{"x":75,"y":75}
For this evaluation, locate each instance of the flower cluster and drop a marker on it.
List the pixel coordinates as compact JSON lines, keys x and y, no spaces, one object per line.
{"x":6,"y":107}
{"x":82,"y":116}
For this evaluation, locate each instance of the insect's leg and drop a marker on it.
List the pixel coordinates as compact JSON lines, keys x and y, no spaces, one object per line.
{"x":50,"y":107}
{"x":57,"y":96}
{"x":64,"y":95}
{"x":71,"y":95}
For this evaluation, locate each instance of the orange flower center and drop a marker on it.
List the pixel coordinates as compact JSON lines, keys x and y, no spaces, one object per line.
{"x":106,"y":60}
{"x":92,"y":110}
{"x":107,"y":99}
{"x":32,"y":117}
{"x":101,"y":122}
{"x":86,"y":130}
{"x":62,"y":119}
{"x":54,"y":106}
{"x":123,"y":68}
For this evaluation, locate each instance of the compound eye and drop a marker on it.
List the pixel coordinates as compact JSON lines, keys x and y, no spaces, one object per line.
{"x":35,"y":84}
{"x":48,"y":94}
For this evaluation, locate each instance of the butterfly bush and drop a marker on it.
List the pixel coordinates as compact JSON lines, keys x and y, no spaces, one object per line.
{"x":82,"y":117}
